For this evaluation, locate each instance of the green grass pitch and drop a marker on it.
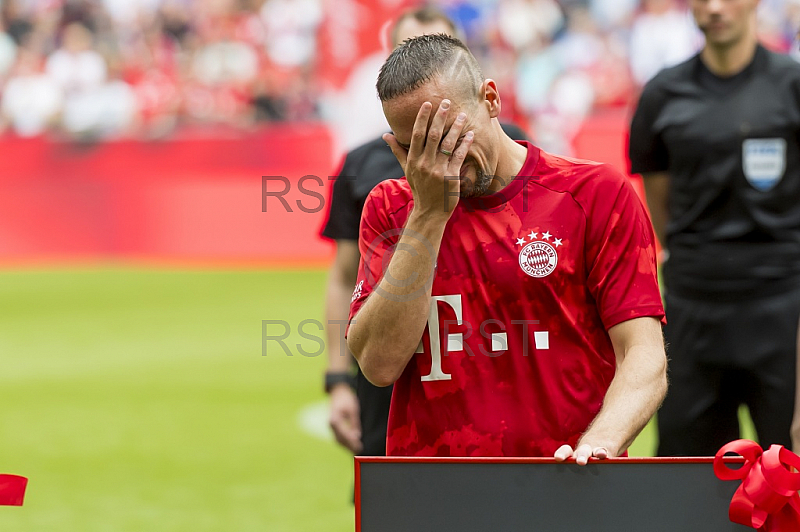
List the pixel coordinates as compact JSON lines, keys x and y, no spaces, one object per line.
{"x":139,"y":400}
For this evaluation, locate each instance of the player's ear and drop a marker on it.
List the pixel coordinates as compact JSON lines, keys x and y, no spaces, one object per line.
{"x":491,"y":97}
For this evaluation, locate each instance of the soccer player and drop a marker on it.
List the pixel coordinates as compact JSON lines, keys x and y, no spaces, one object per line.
{"x":513,"y":304}
{"x":716,"y":139}
{"x":359,"y":419}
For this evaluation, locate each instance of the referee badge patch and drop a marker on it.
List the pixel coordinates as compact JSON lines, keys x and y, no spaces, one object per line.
{"x":763,"y":162}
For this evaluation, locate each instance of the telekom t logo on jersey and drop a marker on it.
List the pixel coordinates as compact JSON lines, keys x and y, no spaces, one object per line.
{"x":455,"y":341}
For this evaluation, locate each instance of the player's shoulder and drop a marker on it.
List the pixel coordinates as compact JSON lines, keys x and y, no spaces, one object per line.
{"x":376,"y":144}
{"x":391,"y":195}
{"x":780,"y":64}
{"x":667,"y":82}
{"x":669,"y":76}
{"x":564,"y":173}
{"x":585,"y":180}
{"x":359,"y":154}
{"x":369,"y":164}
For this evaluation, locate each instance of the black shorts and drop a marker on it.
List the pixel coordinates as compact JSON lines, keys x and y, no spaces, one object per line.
{"x":374,"y":404}
{"x":723,"y":355}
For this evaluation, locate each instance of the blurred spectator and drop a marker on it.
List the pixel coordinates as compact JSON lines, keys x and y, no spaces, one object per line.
{"x":662,"y":35}
{"x":17,"y":25}
{"x":75,"y":66}
{"x":291,"y":30}
{"x":613,"y":15}
{"x":93,"y":106}
{"x":106,"y":110}
{"x":8,"y":52}
{"x":792,"y":27}
{"x":222,"y":73}
{"x":31,"y":100}
{"x":268,"y":106}
{"x":175,"y":20}
{"x":560,"y":82}
{"x":225,"y":61}
{"x":126,"y":13}
{"x":526,"y":23}
{"x":158,"y":66}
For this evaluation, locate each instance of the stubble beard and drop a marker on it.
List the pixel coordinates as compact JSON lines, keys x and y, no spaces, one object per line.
{"x":477,"y":188}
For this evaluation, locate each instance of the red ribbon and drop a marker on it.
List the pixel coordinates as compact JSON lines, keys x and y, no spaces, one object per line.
{"x":12,"y":490}
{"x":767,"y":500}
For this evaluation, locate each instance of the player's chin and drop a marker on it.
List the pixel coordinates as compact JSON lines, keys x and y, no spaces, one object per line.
{"x":467,"y":173}
{"x":467,"y":188}
{"x":466,"y":181}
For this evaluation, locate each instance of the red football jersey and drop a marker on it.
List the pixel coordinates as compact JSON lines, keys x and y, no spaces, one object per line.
{"x":515,"y":359}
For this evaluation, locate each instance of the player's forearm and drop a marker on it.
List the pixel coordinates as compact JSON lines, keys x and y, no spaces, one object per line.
{"x":388,"y":328}
{"x":636,"y":392}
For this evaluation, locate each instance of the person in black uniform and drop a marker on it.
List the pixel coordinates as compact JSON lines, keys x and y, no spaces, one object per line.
{"x":717,"y":140}
{"x":359,"y":419}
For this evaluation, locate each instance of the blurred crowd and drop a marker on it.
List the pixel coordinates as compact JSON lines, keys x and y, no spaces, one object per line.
{"x":566,"y":59}
{"x":143,"y":68}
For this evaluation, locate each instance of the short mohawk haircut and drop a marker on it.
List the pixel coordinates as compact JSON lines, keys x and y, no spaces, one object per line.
{"x":420,"y":59}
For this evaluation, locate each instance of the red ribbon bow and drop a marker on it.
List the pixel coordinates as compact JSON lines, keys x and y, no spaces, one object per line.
{"x":12,"y":490}
{"x":767,"y":500}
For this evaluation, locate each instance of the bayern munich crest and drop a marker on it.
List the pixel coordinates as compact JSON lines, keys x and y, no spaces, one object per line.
{"x":538,"y":258}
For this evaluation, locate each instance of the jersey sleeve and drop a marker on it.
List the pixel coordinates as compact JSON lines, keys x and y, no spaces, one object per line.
{"x":620,"y":252}
{"x":376,"y":241}
{"x":343,"y":212}
{"x":646,"y":149}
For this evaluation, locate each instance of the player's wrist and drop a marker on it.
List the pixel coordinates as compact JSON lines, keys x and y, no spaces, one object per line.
{"x":432,"y":217}
{"x":426,"y":227}
{"x":339,"y":380}
{"x":343,"y":391}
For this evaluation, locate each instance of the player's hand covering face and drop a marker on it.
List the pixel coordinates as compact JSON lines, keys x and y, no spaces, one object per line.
{"x":433,"y":160}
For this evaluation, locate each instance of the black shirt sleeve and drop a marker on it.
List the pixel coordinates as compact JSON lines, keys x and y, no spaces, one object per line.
{"x":344,"y":214}
{"x":646,"y":148}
